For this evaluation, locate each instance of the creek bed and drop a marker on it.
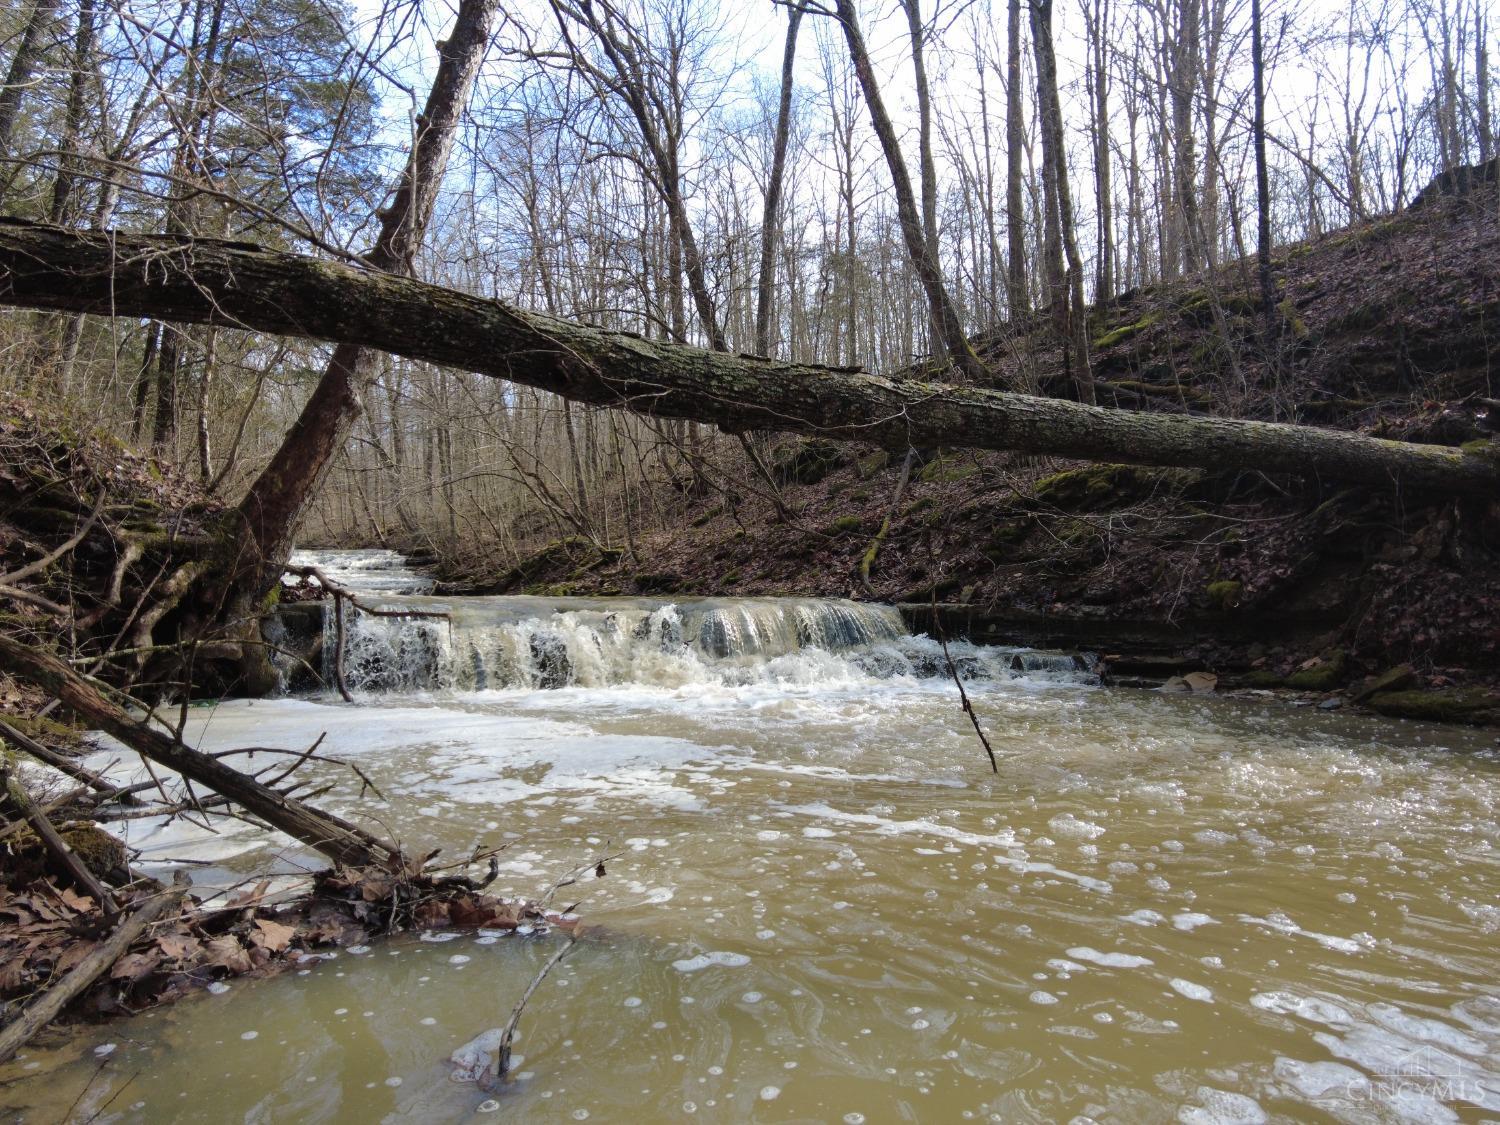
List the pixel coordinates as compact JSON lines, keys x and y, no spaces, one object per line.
{"x":828,"y":909}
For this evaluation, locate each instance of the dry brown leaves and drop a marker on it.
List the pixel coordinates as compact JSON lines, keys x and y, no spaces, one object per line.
{"x":46,"y":930}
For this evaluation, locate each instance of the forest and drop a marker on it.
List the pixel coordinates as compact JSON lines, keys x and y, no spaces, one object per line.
{"x":366,"y":357}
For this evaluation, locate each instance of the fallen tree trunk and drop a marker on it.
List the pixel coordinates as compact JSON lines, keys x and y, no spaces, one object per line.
{"x":238,"y":285}
{"x":335,"y":837}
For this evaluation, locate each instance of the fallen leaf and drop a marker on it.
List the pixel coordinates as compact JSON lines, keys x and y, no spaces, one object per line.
{"x":226,"y":953}
{"x":271,"y":936}
{"x":178,"y":946}
{"x":134,"y":966}
{"x":81,"y":903}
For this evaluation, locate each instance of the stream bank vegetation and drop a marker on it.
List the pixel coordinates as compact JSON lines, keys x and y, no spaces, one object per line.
{"x":1208,"y":396}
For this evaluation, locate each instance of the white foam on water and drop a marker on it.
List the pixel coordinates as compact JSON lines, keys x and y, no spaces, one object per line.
{"x":1071,"y":827}
{"x":704,"y":960}
{"x":1189,"y":920}
{"x":1063,"y":965}
{"x":1318,"y":1080}
{"x":885,"y":826}
{"x":1109,"y":960}
{"x":1222,"y":1107}
{"x":1281,"y":924}
{"x":1190,"y":990}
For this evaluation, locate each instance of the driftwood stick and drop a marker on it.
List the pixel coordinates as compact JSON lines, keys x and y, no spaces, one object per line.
{"x":490,"y":1082}
{"x":50,"y":1004}
{"x":937,"y":623}
{"x":338,"y":647}
{"x":60,"y":762}
{"x":335,"y":837}
{"x":58,"y":848}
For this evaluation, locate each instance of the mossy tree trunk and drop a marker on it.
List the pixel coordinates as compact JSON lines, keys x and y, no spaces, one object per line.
{"x":242,"y":286}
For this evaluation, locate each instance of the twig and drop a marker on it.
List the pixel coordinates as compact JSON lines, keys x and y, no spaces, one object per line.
{"x":52,"y":556}
{"x":962,"y":694}
{"x":596,"y":864}
{"x":59,"y":849}
{"x":60,"y":762}
{"x":488,"y":1081}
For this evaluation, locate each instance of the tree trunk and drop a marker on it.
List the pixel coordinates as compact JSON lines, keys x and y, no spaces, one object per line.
{"x":926,"y":168}
{"x":204,"y":281}
{"x":272,"y":507}
{"x":946,"y":324}
{"x":61,"y":207}
{"x":1015,"y":131}
{"x":1099,"y":26}
{"x":1482,"y":82}
{"x":22,"y":64}
{"x":334,"y":837}
{"x":1262,"y":176}
{"x":1074,"y":321}
{"x":771,"y":220}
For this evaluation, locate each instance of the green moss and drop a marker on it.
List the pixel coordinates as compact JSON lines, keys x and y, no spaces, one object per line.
{"x":1097,"y":486}
{"x":867,"y":467}
{"x":1458,"y":705}
{"x":1264,"y":678}
{"x":1488,"y":448}
{"x":730,"y":578}
{"x":1198,"y":307}
{"x":942,"y":469}
{"x":1224,"y":595}
{"x":807,"y":462}
{"x":1292,"y":319}
{"x":920,"y":504}
{"x":1321,"y":677}
{"x":844,"y":525}
{"x":42,"y":729}
{"x":1125,"y":332}
{"x":712,"y":514}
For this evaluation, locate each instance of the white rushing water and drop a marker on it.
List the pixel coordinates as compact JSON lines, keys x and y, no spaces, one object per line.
{"x":823,"y":906}
{"x":528,"y":642}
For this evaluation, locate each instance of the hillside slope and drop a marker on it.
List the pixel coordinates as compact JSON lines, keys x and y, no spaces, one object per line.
{"x":1392,"y":327}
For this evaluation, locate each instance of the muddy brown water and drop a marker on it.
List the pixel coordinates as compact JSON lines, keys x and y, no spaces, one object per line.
{"x":827,"y":909}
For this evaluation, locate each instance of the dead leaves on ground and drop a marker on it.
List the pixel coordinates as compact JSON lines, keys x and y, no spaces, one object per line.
{"x":45,"y":931}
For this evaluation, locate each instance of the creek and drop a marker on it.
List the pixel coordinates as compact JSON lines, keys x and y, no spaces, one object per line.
{"x":827,"y":908}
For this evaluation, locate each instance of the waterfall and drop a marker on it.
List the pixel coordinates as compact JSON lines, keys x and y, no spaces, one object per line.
{"x":524,"y":642}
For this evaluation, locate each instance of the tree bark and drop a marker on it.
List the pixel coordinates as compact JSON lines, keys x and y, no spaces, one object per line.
{"x":237,"y":285}
{"x":272,"y":507}
{"x":771,"y":222}
{"x":1074,"y":324}
{"x":22,"y":65}
{"x":945,"y":322}
{"x":1015,"y":133}
{"x":1262,"y":176}
{"x":336,"y":838}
